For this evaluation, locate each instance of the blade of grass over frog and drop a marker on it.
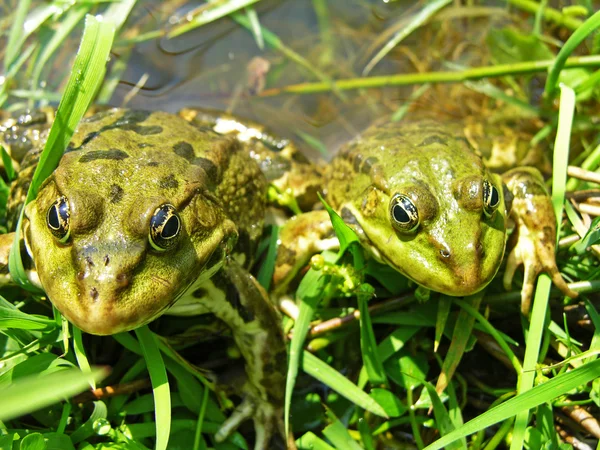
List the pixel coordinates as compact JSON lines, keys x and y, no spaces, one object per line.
{"x":460,"y":337}
{"x":118,"y":12}
{"x":474,"y":73}
{"x":338,"y":434}
{"x":273,"y":41}
{"x":32,"y":393}
{"x":544,"y":392}
{"x":160,"y":385}
{"x":339,"y":383}
{"x":407,"y":28}
{"x":595,"y":318}
{"x":265,"y":273}
{"x":561,"y":151}
{"x":548,"y":13}
{"x":88,"y":71}
{"x":16,"y":38}
{"x":578,"y":36}
{"x":492,"y":331}
{"x":80,"y":355}
{"x":86,"y":76}
{"x":309,"y":293}
{"x":368,"y":344}
{"x":210,"y":12}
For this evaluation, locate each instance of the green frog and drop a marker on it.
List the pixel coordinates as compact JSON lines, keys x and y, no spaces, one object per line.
{"x":422,"y":200}
{"x":147,"y":213}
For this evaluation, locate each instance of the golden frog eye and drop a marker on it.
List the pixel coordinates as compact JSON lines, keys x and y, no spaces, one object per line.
{"x":58,"y":219}
{"x":403,"y":213}
{"x":165,"y":226}
{"x":491,"y":198}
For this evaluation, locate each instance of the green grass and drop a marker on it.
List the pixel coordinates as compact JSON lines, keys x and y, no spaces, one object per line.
{"x":370,"y":378}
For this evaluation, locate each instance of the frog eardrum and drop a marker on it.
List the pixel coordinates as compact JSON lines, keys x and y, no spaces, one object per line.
{"x":165,"y":227}
{"x":58,"y":219}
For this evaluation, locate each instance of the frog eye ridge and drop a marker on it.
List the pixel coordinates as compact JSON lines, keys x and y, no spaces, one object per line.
{"x":58,"y":219}
{"x":403,"y":213}
{"x":491,"y":198}
{"x":165,"y":227}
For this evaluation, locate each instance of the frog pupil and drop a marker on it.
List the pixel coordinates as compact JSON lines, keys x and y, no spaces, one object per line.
{"x":400,"y":214}
{"x":53,"y":217}
{"x":494,"y":197}
{"x":170,"y":228}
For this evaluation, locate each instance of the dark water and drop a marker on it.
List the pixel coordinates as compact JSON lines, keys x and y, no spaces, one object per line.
{"x":220,"y":65}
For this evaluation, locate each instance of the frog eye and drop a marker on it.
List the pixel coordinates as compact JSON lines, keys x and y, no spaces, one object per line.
{"x":403,"y":213}
{"x":165,"y":226}
{"x":58,"y":219}
{"x":491,"y":198}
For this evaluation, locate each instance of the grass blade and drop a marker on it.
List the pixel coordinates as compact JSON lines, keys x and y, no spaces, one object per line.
{"x":160,"y":385}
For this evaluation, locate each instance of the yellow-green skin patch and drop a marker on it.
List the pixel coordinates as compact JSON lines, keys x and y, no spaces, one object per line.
{"x":119,"y":168}
{"x":456,"y":248}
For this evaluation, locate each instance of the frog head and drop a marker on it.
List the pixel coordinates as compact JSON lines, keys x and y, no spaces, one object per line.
{"x":118,"y":235}
{"x":438,"y":219}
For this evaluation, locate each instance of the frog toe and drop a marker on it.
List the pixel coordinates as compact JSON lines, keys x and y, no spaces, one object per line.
{"x":268,"y":424}
{"x":536,"y":257}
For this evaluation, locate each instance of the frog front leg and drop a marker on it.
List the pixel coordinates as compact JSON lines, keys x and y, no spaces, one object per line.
{"x":234,"y":296}
{"x":301,"y":237}
{"x":534,"y":236}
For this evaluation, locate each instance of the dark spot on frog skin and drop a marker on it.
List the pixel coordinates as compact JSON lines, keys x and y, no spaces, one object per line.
{"x":209,"y":167}
{"x":112,"y":154}
{"x":94,"y":293}
{"x":116,"y":194}
{"x":128,"y":121}
{"x":169,"y":182}
{"x":152,"y":164}
{"x":200,"y":293}
{"x":145,"y":145}
{"x":232,"y":296}
{"x":433,"y":139}
{"x":185,"y":150}
{"x":368,"y":164}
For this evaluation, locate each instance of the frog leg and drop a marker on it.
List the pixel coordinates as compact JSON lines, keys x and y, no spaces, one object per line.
{"x":534,"y":235}
{"x":300,"y":238}
{"x":283,"y":165}
{"x":235,"y":297}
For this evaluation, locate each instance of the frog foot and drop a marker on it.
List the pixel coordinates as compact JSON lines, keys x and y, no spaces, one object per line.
{"x":268,"y":424}
{"x":536,"y":253}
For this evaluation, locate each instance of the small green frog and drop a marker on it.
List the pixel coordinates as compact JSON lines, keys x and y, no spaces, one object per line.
{"x":148,"y":212}
{"x":421,"y":200}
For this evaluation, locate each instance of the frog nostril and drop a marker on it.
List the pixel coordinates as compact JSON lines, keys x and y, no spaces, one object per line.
{"x":94,"y":293}
{"x":445,"y":253}
{"x":106,"y":260}
{"x":89,"y":261}
{"x":122,"y":280}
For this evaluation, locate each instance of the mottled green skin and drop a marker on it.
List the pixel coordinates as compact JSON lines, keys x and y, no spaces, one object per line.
{"x":457,"y":248}
{"x":117,"y":170}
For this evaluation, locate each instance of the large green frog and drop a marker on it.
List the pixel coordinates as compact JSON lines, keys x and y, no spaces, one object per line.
{"x":146,"y":211}
{"x":421,"y":199}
